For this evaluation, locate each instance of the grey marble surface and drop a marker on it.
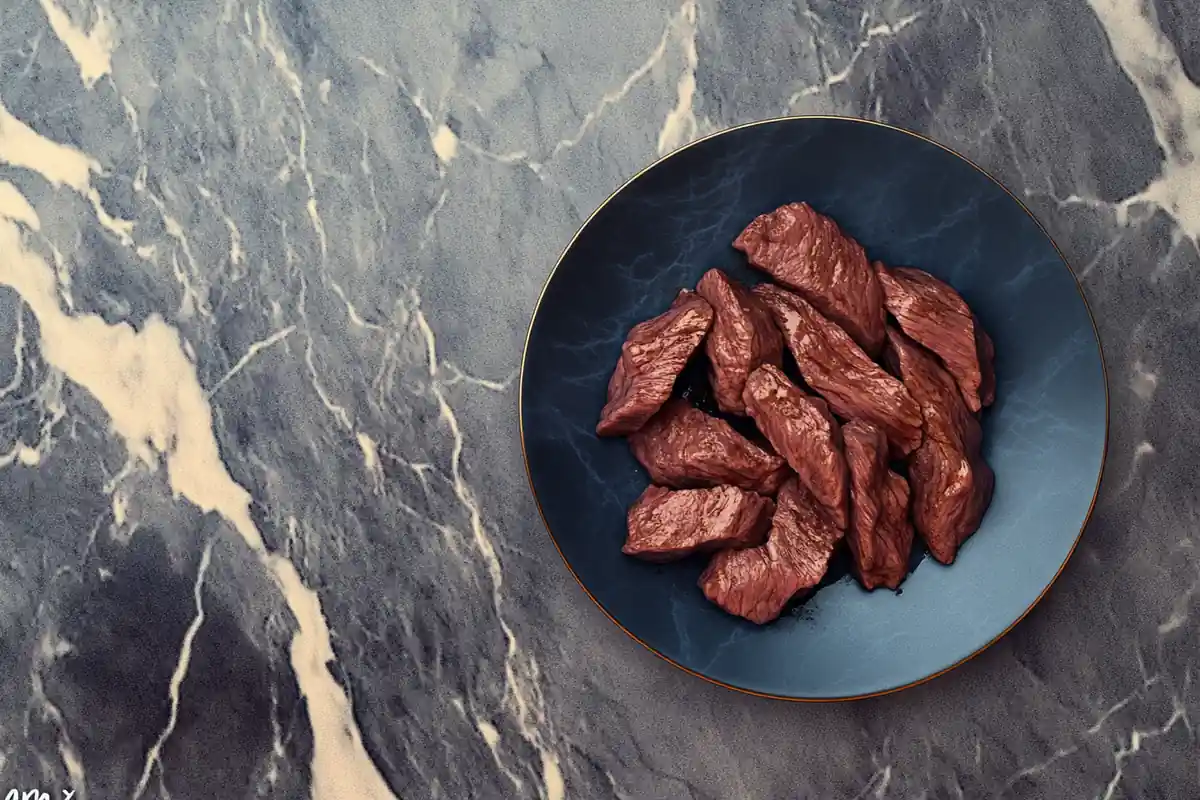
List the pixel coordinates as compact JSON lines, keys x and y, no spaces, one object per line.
{"x":265,"y":273}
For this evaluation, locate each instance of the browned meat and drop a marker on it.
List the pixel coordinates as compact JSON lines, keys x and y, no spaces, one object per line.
{"x":880,"y":535}
{"x":987,"y":364}
{"x":834,"y":366}
{"x":758,"y":582}
{"x":654,"y":354}
{"x":951,"y":483}
{"x":684,"y":448}
{"x":742,"y":337}
{"x":685,"y":296}
{"x":666,"y":525}
{"x":803,"y":431}
{"x":807,"y":251}
{"x":934,"y":315}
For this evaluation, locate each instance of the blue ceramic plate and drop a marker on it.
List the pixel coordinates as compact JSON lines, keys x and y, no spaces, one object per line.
{"x":910,"y":202}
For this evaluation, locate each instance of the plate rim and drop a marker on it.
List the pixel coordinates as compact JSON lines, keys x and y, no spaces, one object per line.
{"x":771,"y":121}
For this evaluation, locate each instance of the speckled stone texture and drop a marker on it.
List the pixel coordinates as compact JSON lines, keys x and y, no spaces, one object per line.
{"x":265,"y":273}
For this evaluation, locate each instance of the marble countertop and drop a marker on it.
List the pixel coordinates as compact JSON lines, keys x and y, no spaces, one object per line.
{"x":265,"y":273}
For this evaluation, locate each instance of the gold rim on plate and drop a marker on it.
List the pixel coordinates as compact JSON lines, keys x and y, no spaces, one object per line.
{"x":525,"y":455}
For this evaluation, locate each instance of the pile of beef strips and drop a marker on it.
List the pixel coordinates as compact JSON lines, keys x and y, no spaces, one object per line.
{"x":877,"y":435}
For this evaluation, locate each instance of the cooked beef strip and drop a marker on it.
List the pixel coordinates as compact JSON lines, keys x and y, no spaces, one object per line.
{"x":666,"y":524}
{"x":808,"y":252}
{"x":743,"y":336}
{"x":837,"y":369}
{"x":987,"y":364}
{"x":880,"y":535}
{"x":932,"y":314}
{"x":951,"y":483}
{"x":758,"y":582}
{"x":801,"y":428}
{"x":684,"y":448}
{"x":653,"y":355}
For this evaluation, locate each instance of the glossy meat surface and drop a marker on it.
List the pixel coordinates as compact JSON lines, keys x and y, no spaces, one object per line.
{"x":757,"y":583}
{"x":684,"y":448}
{"x":837,"y":369}
{"x":653,"y":355}
{"x":880,"y":534}
{"x":808,"y":252}
{"x":935,"y":316}
{"x":951,"y":483}
{"x":742,"y":338}
{"x":665,"y":524}
{"x":801,"y":428}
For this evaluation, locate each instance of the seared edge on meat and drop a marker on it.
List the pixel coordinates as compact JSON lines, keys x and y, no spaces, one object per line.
{"x":757,"y":583}
{"x":801,"y":428}
{"x":951,"y":483}
{"x":653,"y":355}
{"x":684,"y":448}
{"x":837,"y":368}
{"x":808,"y":252}
{"x":743,"y":336}
{"x":880,"y":534}
{"x":934,"y":315}
{"x":666,"y":524}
